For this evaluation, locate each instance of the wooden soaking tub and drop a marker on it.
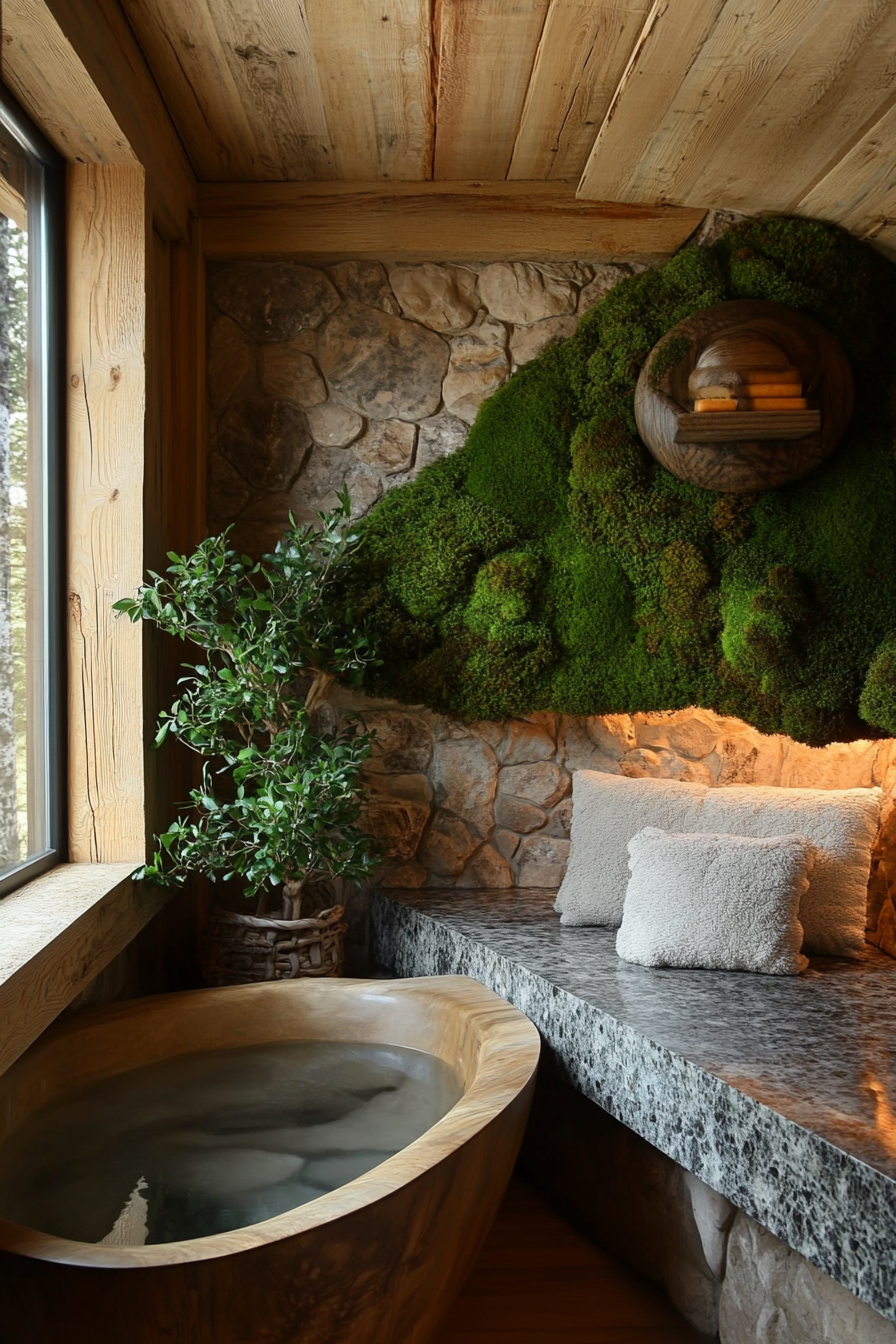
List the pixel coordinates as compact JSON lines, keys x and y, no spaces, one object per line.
{"x":375,"y":1262}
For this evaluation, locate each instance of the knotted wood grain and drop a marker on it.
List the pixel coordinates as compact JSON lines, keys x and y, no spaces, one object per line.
{"x":106,"y":404}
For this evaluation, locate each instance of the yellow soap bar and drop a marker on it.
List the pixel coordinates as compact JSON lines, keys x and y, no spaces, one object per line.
{"x":771,"y":404}
{"x":715,"y":404}
{"x":769,"y":390}
{"x":786,"y":375}
{"x":723,"y":381}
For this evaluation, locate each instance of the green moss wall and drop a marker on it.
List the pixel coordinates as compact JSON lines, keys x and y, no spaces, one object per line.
{"x":550,"y":564}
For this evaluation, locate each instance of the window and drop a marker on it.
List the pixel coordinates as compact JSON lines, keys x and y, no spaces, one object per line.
{"x":31,"y":643}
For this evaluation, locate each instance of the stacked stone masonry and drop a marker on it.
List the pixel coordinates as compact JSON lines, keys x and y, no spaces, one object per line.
{"x":360,"y":374}
{"x":738,"y":1283}
{"x":489,"y":805}
{"x":771,"y":1295}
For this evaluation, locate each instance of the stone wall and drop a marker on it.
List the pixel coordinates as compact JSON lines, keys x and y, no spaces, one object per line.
{"x":361,"y":374}
{"x":772,"y":1295}
{"x":488,"y":804}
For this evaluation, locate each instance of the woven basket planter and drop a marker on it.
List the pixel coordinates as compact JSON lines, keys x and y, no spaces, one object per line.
{"x":244,"y":949}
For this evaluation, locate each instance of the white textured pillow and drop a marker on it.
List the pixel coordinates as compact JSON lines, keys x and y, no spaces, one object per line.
{"x":719,"y":902}
{"x":842,"y":825}
{"x":607,"y":811}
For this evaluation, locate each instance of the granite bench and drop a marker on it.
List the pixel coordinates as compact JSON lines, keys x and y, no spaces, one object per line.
{"x":778,"y":1093}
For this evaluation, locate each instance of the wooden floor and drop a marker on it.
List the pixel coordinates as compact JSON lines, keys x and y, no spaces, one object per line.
{"x":538,"y":1281}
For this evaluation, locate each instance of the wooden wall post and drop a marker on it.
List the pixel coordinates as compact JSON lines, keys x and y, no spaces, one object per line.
{"x":106,"y":406}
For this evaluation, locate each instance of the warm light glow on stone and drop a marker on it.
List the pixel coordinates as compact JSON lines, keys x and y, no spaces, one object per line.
{"x":487,"y":804}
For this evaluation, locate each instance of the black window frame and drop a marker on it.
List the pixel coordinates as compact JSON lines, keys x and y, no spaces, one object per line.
{"x":47,"y":199}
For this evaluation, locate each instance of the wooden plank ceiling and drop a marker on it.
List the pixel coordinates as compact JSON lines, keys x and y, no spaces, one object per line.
{"x":783,"y":105}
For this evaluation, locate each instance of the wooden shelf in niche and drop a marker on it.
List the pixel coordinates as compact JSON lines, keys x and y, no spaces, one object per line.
{"x":744,"y":451}
{"x":733,"y":426}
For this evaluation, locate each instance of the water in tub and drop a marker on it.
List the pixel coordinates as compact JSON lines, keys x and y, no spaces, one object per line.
{"x":210,"y":1142}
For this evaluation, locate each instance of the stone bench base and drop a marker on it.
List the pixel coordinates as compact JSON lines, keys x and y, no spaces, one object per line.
{"x":728,"y":1276}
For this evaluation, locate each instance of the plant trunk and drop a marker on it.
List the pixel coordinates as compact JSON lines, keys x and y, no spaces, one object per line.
{"x":292,"y":899}
{"x":319,"y":690}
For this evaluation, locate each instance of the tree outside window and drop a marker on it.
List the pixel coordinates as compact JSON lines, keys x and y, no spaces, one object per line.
{"x":30,"y":648}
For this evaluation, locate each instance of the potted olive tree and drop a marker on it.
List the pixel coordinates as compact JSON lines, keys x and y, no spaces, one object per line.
{"x":279,"y":803}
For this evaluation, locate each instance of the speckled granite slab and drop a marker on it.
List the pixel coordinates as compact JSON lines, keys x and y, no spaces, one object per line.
{"x":779,"y":1093}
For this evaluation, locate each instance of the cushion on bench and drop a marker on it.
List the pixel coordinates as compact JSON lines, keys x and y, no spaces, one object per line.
{"x":842,"y":824}
{"x":717,"y":902}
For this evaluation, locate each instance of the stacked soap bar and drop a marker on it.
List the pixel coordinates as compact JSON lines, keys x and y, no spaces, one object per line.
{"x":775,"y":389}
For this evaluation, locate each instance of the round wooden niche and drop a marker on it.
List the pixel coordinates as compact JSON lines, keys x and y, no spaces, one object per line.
{"x":752,"y":451}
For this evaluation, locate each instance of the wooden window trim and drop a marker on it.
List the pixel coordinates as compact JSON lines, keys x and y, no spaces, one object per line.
{"x":62,"y":929}
{"x":59,"y":931}
{"x":105,"y":456}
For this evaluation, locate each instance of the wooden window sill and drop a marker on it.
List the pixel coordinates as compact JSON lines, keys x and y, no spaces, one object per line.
{"x":56,"y":934}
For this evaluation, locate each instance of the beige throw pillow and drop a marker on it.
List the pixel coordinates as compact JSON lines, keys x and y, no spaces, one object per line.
{"x":842,"y":825}
{"x":716,"y":902}
{"x":607,"y":810}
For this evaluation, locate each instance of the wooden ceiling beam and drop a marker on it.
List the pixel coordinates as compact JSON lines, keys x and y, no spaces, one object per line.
{"x":472,"y":221}
{"x":76,"y":68}
{"x":50,"y":80}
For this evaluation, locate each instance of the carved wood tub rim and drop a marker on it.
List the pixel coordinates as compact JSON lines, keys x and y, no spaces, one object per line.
{"x":497,"y":1051}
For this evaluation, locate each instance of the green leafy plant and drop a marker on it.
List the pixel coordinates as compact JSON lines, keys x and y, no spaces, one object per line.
{"x":280,"y":801}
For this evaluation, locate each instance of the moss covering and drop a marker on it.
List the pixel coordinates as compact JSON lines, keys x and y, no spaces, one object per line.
{"x":552,"y":564}
{"x":877,"y":704}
